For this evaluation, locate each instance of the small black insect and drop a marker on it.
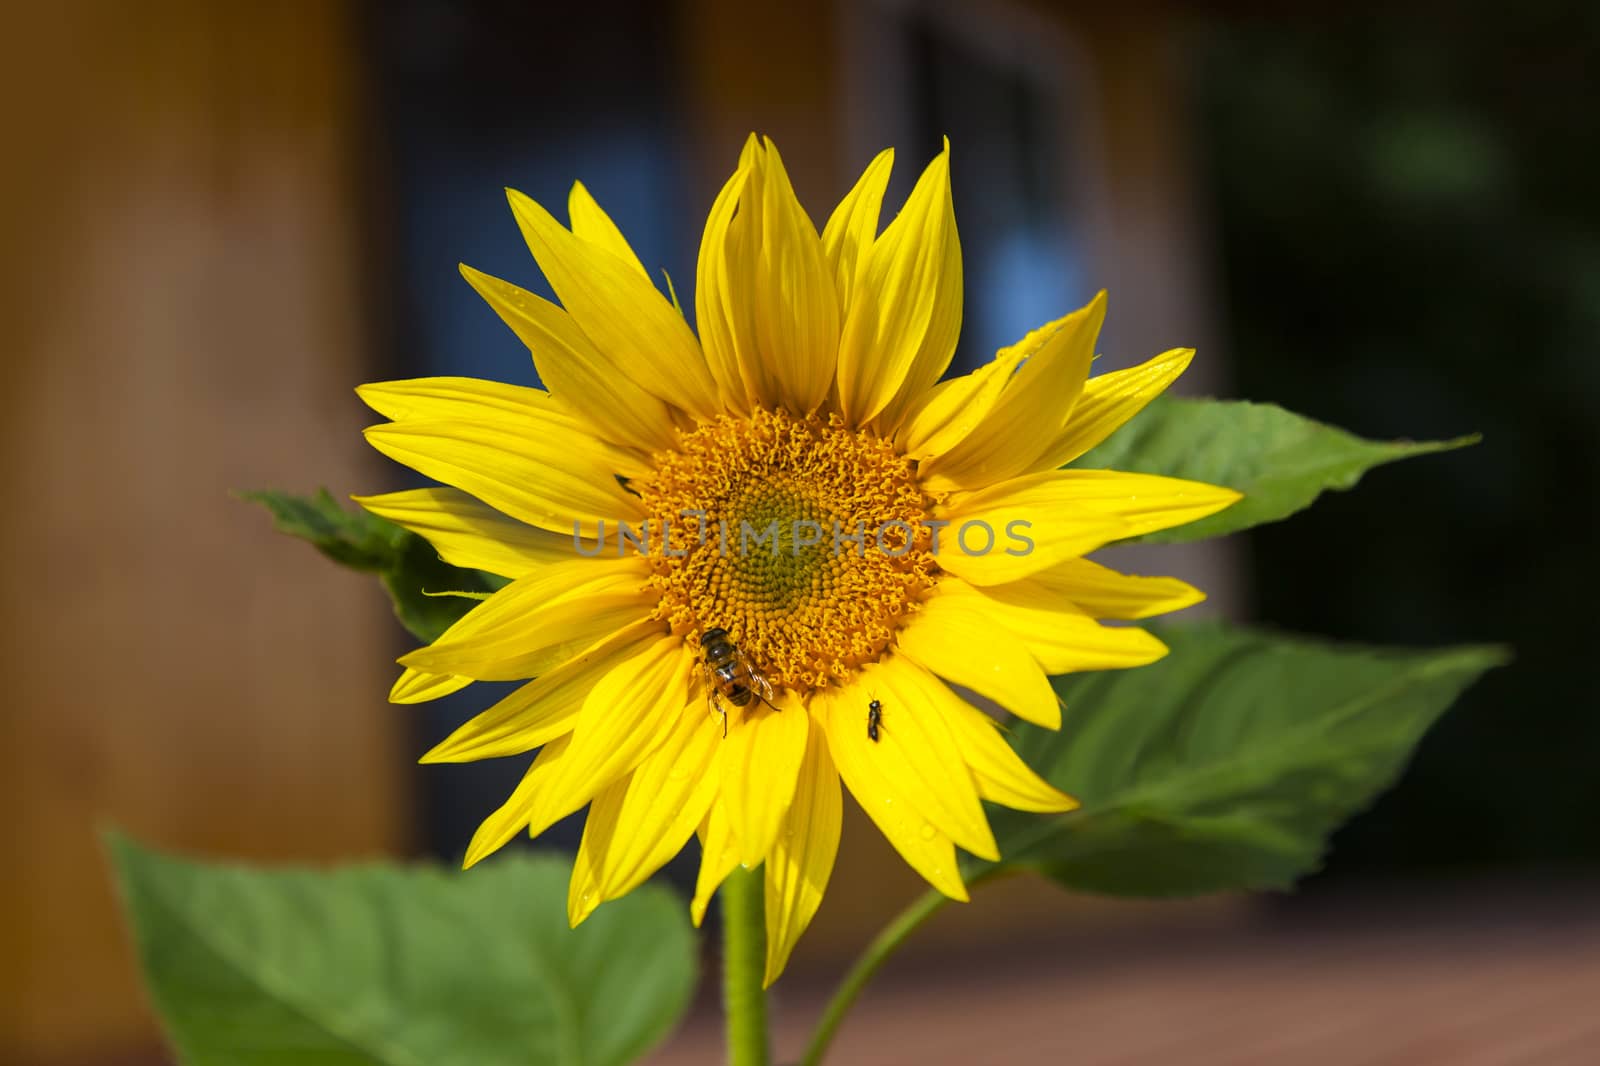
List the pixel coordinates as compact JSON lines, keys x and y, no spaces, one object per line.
{"x":874,"y":720}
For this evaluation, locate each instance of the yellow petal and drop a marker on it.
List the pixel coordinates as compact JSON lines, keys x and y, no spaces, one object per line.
{"x":595,"y":226}
{"x":766,"y":304}
{"x":667,"y":797}
{"x":1104,"y":593}
{"x":1001,"y":774}
{"x":1058,"y":633}
{"x":440,"y":399}
{"x":414,"y":686}
{"x":599,"y":830}
{"x":469,"y":533}
{"x":796,"y":305}
{"x":951,"y":409}
{"x":512,"y":816}
{"x":546,"y":479}
{"x":718,"y":858}
{"x":1036,"y":401}
{"x":721,"y":321}
{"x":1109,"y":400}
{"x":922,"y":754}
{"x":620,"y":312}
{"x":851,"y":230}
{"x":537,"y":622}
{"x":801,"y":859}
{"x":1034,"y":522}
{"x":914,"y":756}
{"x":953,"y":637}
{"x":516,"y":409}
{"x":593,"y":383}
{"x":881,"y":793}
{"x":539,"y":480}
{"x":905,"y":313}
{"x":545,"y":708}
{"x":1145,"y":502}
{"x":624,"y":718}
{"x":764,"y":750}
{"x":726,"y":306}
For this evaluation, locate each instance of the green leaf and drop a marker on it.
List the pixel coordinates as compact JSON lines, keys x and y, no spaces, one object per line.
{"x":384,"y":966}
{"x":409,"y":567}
{"x":1279,"y":460}
{"x":1227,"y":764}
{"x":357,"y":539}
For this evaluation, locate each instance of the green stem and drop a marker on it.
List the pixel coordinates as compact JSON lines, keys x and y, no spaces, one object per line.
{"x":744,"y":962}
{"x":868,"y":964}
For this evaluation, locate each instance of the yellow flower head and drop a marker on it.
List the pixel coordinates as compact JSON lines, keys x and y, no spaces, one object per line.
{"x":748,"y":565}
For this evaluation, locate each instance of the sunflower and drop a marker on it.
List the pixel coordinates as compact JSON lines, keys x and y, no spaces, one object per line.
{"x":875,"y":544}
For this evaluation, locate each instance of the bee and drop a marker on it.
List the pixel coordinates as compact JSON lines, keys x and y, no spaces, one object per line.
{"x":729,"y":675}
{"x":874,"y":719}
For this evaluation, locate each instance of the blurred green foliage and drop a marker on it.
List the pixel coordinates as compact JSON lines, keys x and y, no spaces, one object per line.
{"x":419,"y":583}
{"x":382,"y":965}
{"x":1226,"y":765}
{"x":1279,"y":460}
{"x":1410,"y":243}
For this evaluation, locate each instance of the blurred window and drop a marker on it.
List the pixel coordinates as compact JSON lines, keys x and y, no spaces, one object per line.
{"x":996,"y":81}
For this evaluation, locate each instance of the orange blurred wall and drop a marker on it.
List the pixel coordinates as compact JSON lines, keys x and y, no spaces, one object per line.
{"x":183,"y":318}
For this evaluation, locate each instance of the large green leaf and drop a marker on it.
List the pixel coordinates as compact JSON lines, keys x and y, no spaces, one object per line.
{"x":1227,"y":764}
{"x":382,"y":966}
{"x":1279,"y":460}
{"x":411,"y":570}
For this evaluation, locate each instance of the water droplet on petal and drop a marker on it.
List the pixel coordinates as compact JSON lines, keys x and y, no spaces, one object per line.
{"x":928,"y":831}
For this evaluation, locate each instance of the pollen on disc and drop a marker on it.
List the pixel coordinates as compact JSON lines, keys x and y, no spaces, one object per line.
{"x":774,"y":560}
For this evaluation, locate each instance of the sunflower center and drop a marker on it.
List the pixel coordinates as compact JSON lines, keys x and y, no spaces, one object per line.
{"x":806,"y":541}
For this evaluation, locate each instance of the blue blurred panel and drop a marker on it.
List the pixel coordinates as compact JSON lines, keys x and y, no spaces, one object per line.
{"x":454,"y":211}
{"x":1032,"y":276}
{"x":1016,"y":206}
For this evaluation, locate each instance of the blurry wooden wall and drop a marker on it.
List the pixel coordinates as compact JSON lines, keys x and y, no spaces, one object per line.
{"x":180,"y":288}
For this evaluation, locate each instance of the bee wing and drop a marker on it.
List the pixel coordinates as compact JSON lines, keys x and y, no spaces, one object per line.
{"x":761,"y":684}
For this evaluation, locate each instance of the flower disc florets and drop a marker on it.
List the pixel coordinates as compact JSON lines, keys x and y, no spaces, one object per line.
{"x":805,"y":540}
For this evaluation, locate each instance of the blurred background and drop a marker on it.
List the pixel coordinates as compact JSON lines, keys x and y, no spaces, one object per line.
{"x":221,"y":217}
